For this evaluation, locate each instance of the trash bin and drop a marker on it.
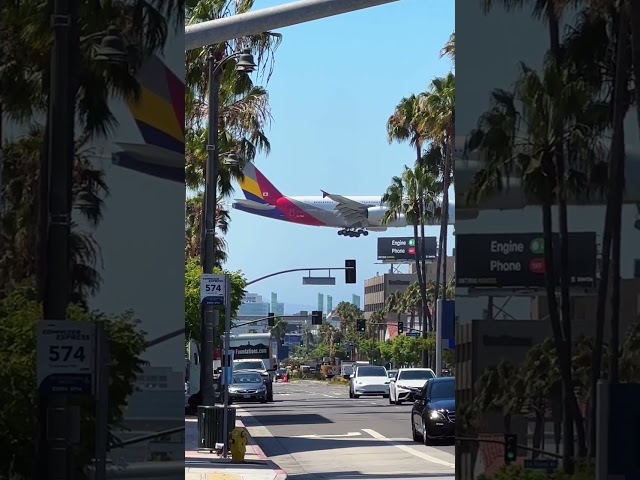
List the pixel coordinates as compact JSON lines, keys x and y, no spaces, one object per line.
{"x":211,"y":425}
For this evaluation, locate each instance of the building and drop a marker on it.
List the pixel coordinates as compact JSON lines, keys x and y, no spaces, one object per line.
{"x":333,"y":319}
{"x":329,"y":303}
{"x":432,"y":268}
{"x":251,"y":317}
{"x":277,"y":308}
{"x":355,"y":300}
{"x":321,"y":302}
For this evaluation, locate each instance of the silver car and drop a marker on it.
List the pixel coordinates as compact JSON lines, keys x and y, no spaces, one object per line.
{"x":248,"y":386}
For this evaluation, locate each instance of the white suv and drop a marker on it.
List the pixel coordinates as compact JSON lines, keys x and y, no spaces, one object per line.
{"x":369,"y":380}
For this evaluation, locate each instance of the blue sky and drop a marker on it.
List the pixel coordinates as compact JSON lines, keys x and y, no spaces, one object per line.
{"x":336,"y":81}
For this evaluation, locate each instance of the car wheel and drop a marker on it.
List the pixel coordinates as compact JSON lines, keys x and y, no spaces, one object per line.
{"x":398,"y":402}
{"x":416,"y":436}
{"x":425,"y":437}
{"x":350,"y":394}
{"x":263,"y":400}
{"x":356,"y":396}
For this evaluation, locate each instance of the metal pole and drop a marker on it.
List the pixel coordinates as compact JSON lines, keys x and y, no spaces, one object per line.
{"x":55,"y":426}
{"x":439,"y":338}
{"x":210,"y":316}
{"x":251,"y":23}
{"x":226,"y":356}
{"x":102,"y":401}
{"x":602,"y":429}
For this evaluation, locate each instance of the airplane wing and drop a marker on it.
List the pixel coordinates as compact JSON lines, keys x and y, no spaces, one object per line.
{"x":354,"y":212}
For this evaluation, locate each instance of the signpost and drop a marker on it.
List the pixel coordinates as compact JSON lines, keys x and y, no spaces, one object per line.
{"x":392,"y":249}
{"x":413,"y":334}
{"x":65,"y":356}
{"x":548,"y":465}
{"x":212,"y":289}
{"x":516,"y":260}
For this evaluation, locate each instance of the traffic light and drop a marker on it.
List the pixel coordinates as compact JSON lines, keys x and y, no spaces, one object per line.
{"x":349,"y":271}
{"x":316,"y":317}
{"x":400,"y":327}
{"x":272,"y":319}
{"x":361,"y":325}
{"x":510,"y":448}
{"x":338,"y":343}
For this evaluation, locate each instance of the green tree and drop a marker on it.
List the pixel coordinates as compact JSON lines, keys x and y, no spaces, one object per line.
{"x":414,"y":196}
{"x":20,"y":313}
{"x":192,"y":310}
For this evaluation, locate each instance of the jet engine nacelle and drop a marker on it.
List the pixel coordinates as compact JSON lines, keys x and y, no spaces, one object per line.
{"x":375,"y":215}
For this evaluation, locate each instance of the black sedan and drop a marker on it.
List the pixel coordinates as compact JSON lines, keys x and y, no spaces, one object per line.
{"x":433,"y":416}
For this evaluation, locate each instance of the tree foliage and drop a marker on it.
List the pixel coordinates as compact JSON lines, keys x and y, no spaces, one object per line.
{"x":21,"y":313}
{"x":192,"y":309}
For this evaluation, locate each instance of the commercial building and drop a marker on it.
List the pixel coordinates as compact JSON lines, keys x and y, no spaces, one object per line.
{"x":355,"y":300}
{"x":253,"y":307}
{"x":277,"y":308}
{"x":321,"y":302}
{"x":329,"y":303}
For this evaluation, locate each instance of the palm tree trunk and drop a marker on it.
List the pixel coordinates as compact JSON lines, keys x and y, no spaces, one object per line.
{"x":423,"y":296}
{"x":445,"y":216}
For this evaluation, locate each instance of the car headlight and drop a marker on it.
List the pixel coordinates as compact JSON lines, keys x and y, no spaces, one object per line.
{"x":358,"y":382}
{"x":436,"y":415}
{"x":262,"y":388}
{"x":233,"y":389}
{"x":404,"y":387}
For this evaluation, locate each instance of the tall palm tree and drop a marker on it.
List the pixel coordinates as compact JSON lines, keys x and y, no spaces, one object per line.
{"x":244,"y":107}
{"x":406,"y":124}
{"x":414,"y":195}
{"x":515,"y":138}
{"x":449,"y":49}
{"x":193,"y":230}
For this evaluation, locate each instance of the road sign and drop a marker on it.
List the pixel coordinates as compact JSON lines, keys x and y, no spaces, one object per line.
{"x":541,"y":464}
{"x":212,"y":289}
{"x":413,"y":334}
{"x":403,"y":248}
{"x":517,"y":260}
{"x":65,"y":356}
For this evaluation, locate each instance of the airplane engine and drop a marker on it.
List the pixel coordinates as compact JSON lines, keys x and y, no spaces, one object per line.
{"x":375,"y":215}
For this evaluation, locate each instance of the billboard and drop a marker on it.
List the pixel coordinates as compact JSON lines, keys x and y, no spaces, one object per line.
{"x":404,"y":248}
{"x":517,"y":260}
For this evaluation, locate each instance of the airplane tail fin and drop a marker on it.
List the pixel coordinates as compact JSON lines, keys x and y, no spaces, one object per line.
{"x":256,"y":187}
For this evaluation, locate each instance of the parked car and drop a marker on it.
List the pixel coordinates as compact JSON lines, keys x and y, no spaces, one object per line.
{"x":433,"y":415}
{"x":407,"y":383}
{"x":259,"y":366}
{"x":369,"y":380}
{"x":280,"y":373}
{"x":248,"y":385}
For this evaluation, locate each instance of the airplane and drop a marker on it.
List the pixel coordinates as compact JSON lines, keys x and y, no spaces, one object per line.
{"x":353,"y":215}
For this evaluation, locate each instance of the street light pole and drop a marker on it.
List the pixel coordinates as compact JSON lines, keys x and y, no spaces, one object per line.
{"x":210,"y":317}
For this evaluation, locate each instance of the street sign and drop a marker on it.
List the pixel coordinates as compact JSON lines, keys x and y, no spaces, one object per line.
{"x":413,"y":334}
{"x":212,"y":289}
{"x":318,"y":280}
{"x":65,"y":355}
{"x":404,"y":248}
{"x":517,"y":260}
{"x":541,"y":464}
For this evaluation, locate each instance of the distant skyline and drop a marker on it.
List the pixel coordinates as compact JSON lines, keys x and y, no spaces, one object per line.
{"x":335,"y":83}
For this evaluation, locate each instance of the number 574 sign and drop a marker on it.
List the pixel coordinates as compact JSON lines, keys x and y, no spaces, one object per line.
{"x":65,"y":357}
{"x":212,"y":289}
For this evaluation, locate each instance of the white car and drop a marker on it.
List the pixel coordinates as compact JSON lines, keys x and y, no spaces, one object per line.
{"x":369,"y":380}
{"x":407,"y":383}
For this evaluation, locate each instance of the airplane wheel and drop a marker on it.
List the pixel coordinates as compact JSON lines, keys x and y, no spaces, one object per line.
{"x":340,"y":232}
{"x":365,"y":233}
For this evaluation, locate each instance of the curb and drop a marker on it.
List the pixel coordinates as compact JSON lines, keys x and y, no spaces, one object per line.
{"x":280,"y":473}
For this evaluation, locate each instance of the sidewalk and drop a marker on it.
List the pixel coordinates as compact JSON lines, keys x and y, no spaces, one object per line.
{"x":209,"y":466}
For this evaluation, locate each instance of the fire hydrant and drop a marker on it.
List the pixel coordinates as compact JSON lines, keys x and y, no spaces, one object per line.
{"x":238,"y":439}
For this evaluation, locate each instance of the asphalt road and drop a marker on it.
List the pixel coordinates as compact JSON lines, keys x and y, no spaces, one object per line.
{"x":315,"y":431}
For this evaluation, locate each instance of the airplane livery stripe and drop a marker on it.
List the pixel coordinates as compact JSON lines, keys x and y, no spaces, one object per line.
{"x":270,"y":194}
{"x":296,"y":213}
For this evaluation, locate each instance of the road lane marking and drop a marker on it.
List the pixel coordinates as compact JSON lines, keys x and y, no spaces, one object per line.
{"x":315,"y":435}
{"x":407,"y":449}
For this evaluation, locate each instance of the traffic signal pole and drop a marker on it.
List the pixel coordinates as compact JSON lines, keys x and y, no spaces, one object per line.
{"x":291,"y":270}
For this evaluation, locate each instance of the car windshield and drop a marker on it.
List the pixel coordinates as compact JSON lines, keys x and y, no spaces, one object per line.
{"x":416,"y":375}
{"x":372,"y":372}
{"x":392,"y":373}
{"x":443,"y":390}
{"x":247,"y":378}
{"x":250,"y":365}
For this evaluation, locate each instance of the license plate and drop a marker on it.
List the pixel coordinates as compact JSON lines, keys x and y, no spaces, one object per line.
{"x":246,"y":396}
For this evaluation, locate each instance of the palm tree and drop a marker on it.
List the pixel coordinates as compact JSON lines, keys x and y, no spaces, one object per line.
{"x":414,"y":195}
{"x":406,"y":124}
{"x":411,"y":299}
{"x":24,"y":93}
{"x":279,"y":330}
{"x":449,"y":49}
{"x":193,"y":230}
{"x":515,"y":139}
{"x":244,"y":107}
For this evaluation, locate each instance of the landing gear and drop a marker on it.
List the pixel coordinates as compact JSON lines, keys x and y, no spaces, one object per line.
{"x":353,"y":232}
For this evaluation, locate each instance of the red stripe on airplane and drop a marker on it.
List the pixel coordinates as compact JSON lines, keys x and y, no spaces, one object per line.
{"x":296,"y":214}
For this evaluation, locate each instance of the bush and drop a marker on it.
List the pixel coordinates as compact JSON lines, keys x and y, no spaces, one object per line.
{"x":584,"y":471}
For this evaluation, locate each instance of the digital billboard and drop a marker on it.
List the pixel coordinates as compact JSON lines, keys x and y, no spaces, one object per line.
{"x":517,"y":260}
{"x":404,"y":248}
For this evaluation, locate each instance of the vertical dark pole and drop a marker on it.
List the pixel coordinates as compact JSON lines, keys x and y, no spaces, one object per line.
{"x":210,"y":316}
{"x":102,"y":401}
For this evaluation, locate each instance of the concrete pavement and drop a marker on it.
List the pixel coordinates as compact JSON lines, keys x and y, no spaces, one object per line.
{"x":208,"y":466}
{"x":314,"y":431}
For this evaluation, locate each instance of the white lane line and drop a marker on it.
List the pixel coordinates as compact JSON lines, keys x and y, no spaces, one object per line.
{"x":407,"y":449}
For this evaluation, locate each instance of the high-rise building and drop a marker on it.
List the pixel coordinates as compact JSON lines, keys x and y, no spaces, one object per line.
{"x":321,"y":302}
{"x":277,"y":308}
{"x":329,"y":303}
{"x":355,"y":299}
{"x":253,"y":306}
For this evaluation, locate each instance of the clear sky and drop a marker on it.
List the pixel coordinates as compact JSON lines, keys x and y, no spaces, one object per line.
{"x":335,"y":84}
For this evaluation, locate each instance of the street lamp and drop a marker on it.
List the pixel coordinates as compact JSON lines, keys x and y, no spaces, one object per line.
{"x":210,"y":315}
